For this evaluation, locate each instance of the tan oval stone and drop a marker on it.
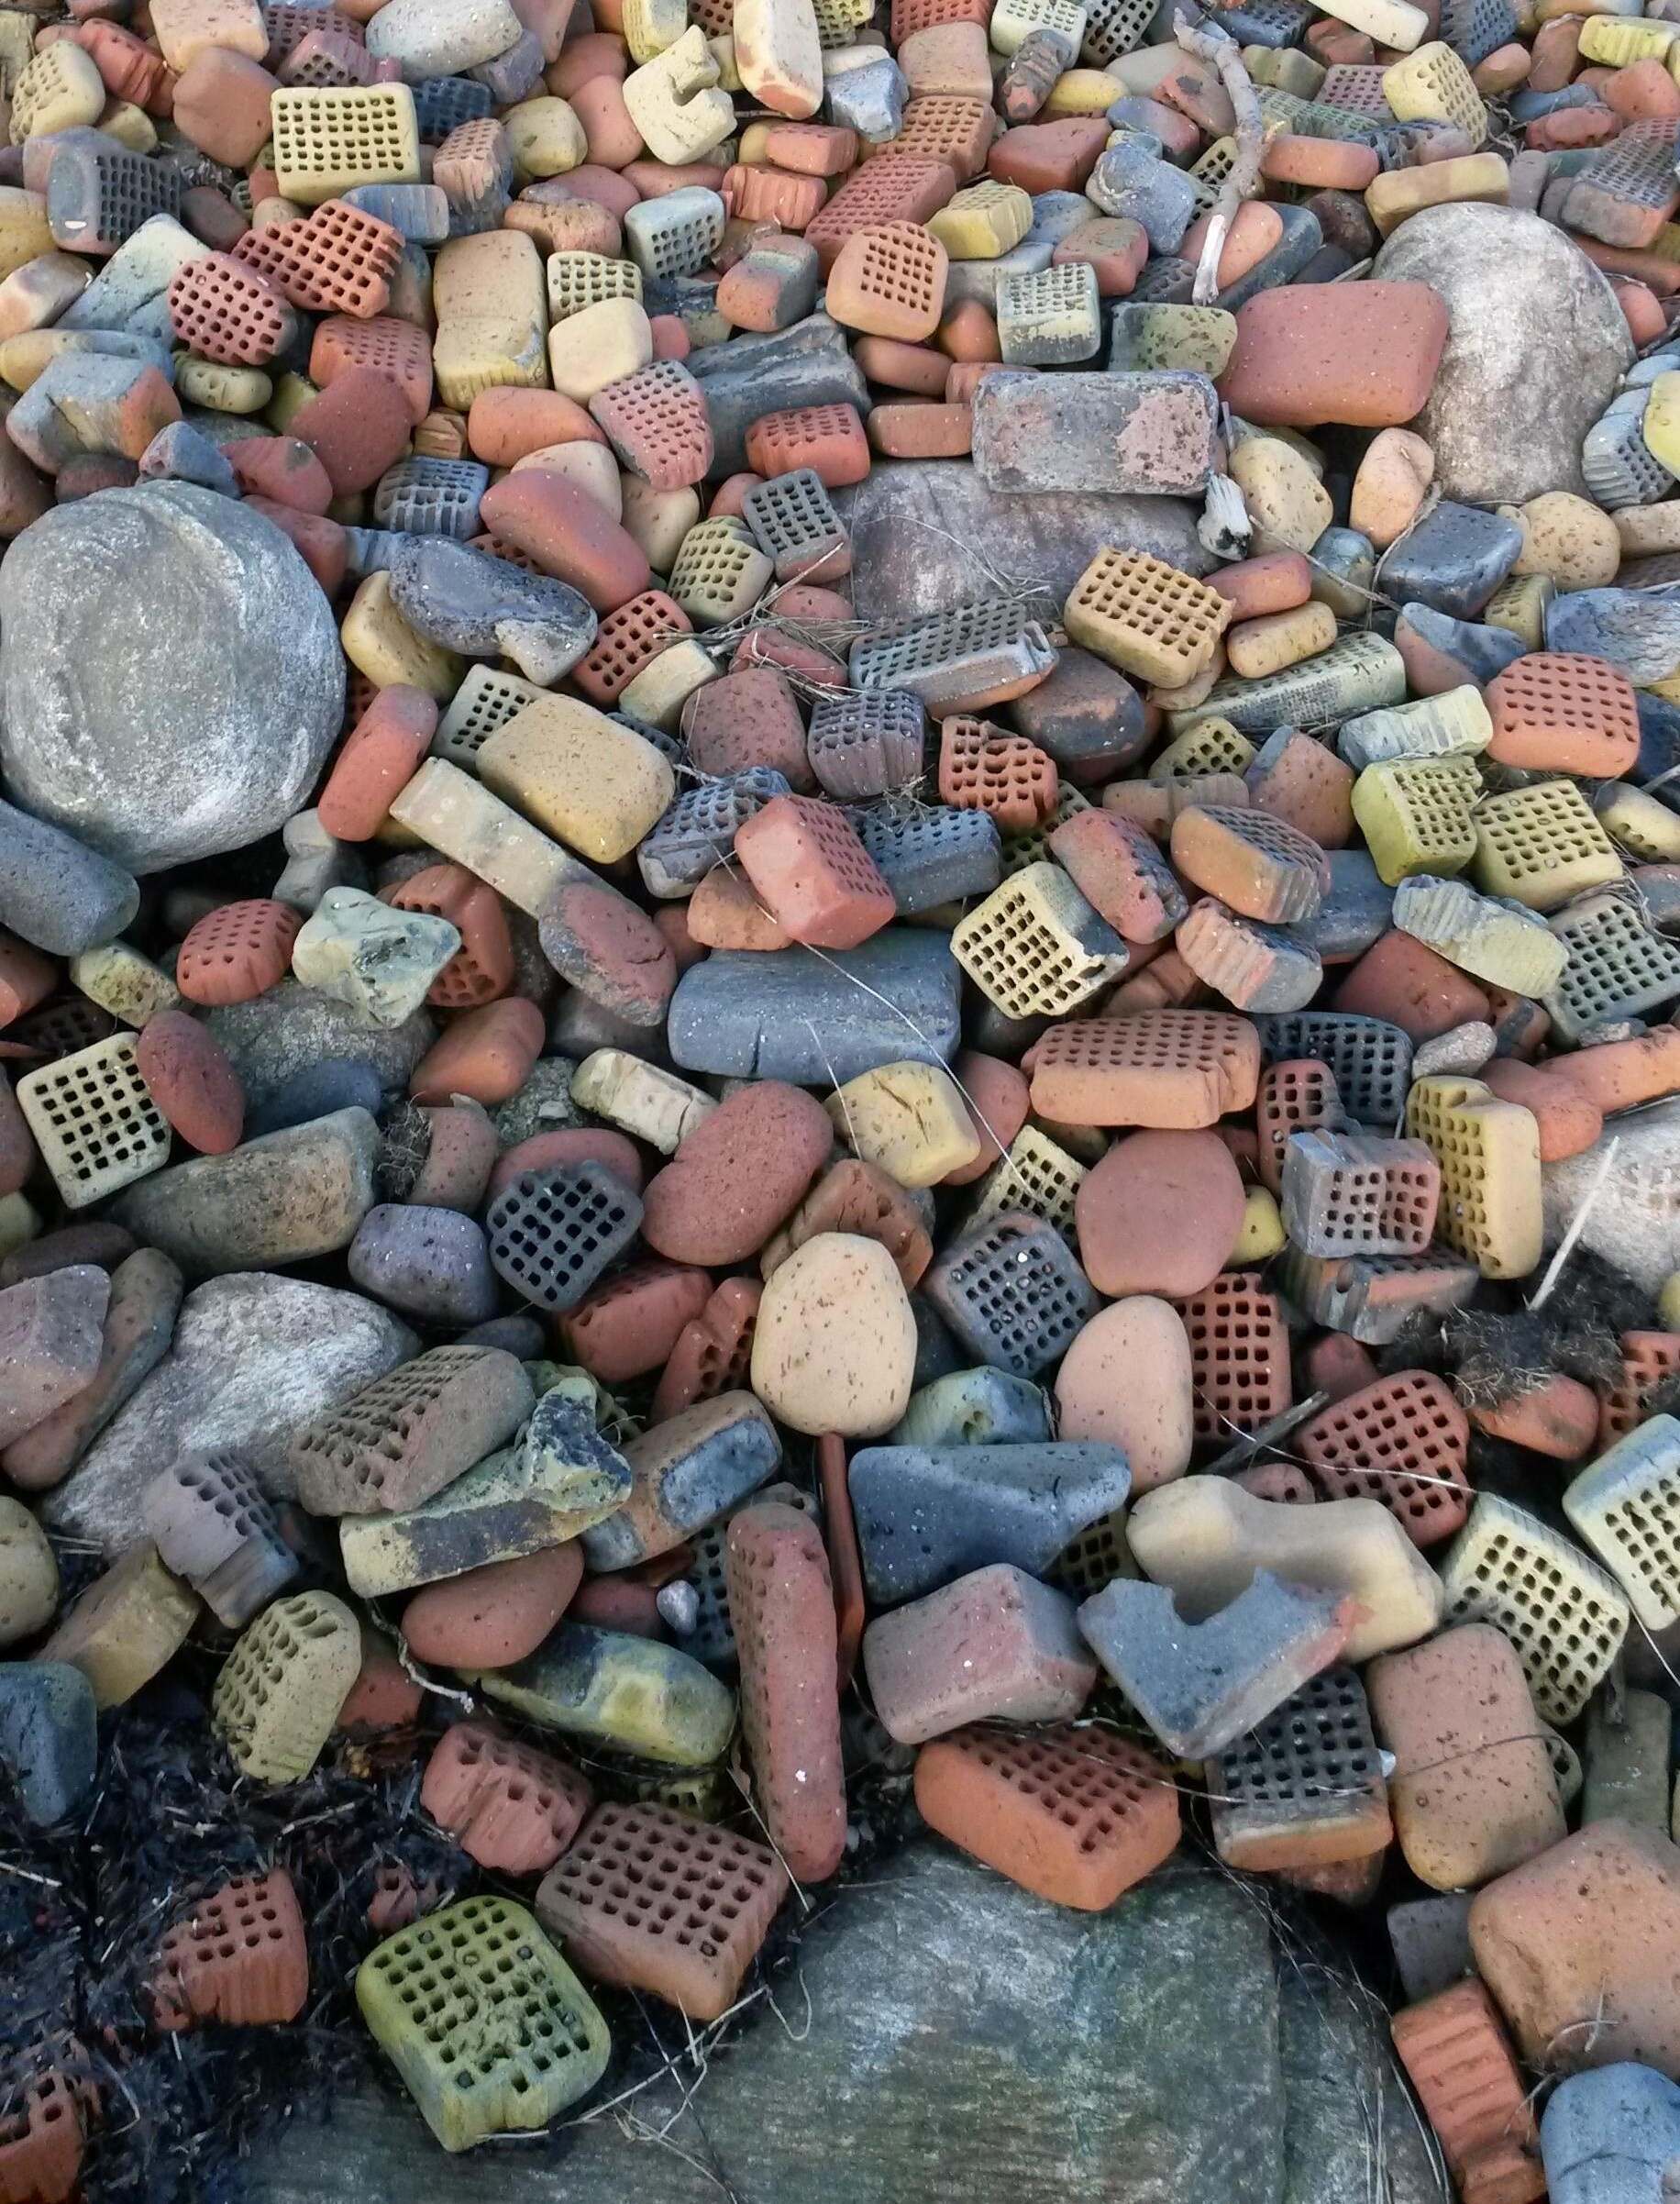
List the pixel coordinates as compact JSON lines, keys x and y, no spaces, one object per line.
{"x":835,"y":1347}
{"x":1393,"y":478}
{"x":1127,"y":1380}
{"x":1568,"y":538}
{"x":29,"y":1575}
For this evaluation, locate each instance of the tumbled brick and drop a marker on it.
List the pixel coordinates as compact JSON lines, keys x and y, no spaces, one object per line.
{"x":1403,"y":1441}
{"x":512,"y":1809}
{"x":995,"y":1645}
{"x":410,"y":1433}
{"x":238,"y":1956}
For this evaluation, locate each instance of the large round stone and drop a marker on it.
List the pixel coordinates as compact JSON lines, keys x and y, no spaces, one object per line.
{"x":170,"y":680}
{"x":1536,"y":348}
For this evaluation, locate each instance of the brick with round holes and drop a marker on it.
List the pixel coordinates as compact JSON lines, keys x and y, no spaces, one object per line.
{"x":1171,"y":1068}
{"x":237,"y":1957}
{"x":237,"y":951}
{"x":1559,"y":712}
{"x":512,"y":1809}
{"x":405,"y":1437}
{"x":1305,"y":1787}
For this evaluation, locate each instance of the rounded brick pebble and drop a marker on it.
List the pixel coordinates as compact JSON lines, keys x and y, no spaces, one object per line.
{"x":191,"y":1077}
{"x":1160,"y":1214}
{"x":737,"y":1177}
{"x":491,"y":1617}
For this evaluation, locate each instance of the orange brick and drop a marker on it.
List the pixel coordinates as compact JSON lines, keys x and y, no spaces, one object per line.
{"x":984,"y":768}
{"x":512,"y":1809}
{"x":237,"y":951}
{"x":1457,"y":2058}
{"x":1403,"y":1441}
{"x":1559,"y":712}
{"x":713,"y":1353}
{"x":1293,"y":1098}
{"x":482,"y":970}
{"x":1170,"y":1068}
{"x":812,"y":873}
{"x":1648,"y":1360}
{"x":1239,"y":1357}
{"x":829,"y":439}
{"x":239,"y":1958}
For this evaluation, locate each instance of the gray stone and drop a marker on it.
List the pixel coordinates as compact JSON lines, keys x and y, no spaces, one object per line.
{"x":543,"y":1104}
{"x":282,"y":1199}
{"x":817,"y":1020}
{"x":443,"y":37}
{"x":928,"y":535}
{"x":1535,"y":349}
{"x":57,"y":892}
{"x":1161,"y":199}
{"x":1633,"y":1223}
{"x":292,"y":1029}
{"x":1609,"y":2137}
{"x":171,"y":675}
{"x":926,"y":1514}
{"x":379,"y":961}
{"x":967,"y":2040}
{"x":139,"y":1322}
{"x":751,"y":376}
{"x":130,"y":293}
{"x":982,"y":1407}
{"x":48,"y":1737}
{"x":318,"y":1091}
{"x":1344,"y":572}
{"x":869,"y":100}
{"x":182,"y":453}
{"x":430,"y":1264}
{"x":1453,"y":562}
{"x":1637,"y":631}
{"x":1147,"y":435}
{"x":1199,"y":1686}
{"x":514,"y":74}
{"x":316,"y":861}
{"x":1431,"y":1942}
{"x":1479,"y":652}
{"x":485,"y":607}
{"x":255,"y":1357}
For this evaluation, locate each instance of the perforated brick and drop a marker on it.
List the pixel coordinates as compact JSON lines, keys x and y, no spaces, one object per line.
{"x":1035,"y":948}
{"x":1560,"y":711}
{"x":1012,"y":1292}
{"x":1618,"y":967}
{"x":656,"y":420}
{"x":1239,"y":1357}
{"x":1403,"y":1441}
{"x":489,"y":2028}
{"x":796,"y":527}
{"x":576,"y":280}
{"x":1094,"y":1559}
{"x":889,"y":280}
{"x":1418,"y":814}
{"x":328,"y":57}
{"x":1433,"y":81}
{"x":1623,"y":192}
{"x":229,"y":313}
{"x":984,"y":768}
{"x":482,"y":970}
{"x":1211,"y":746}
{"x":1034,"y":1175}
{"x":626,"y":642}
{"x":1373,"y":1298}
{"x":1294,"y":1097}
{"x":486,"y":700}
{"x":1359,"y":672}
{"x":396,"y":349}
{"x":828,"y":439}
{"x":552,"y":1233}
{"x":1647,"y":1359}
{"x":1305,"y":1788}
{"x":781,"y":1605}
{"x":933,"y":857}
{"x":98,"y":195}
{"x":512,"y":1809}
{"x":1457,"y":2058}
{"x":431,"y":497}
{"x":63,"y":1027}
{"x":1351,"y":1193}
{"x":280,"y":1690}
{"x":237,"y":951}
{"x":45,"y":2102}
{"x":866,"y":742}
{"x":402,"y":1438}
{"x":1070,"y":1812}
{"x":1050,"y":316}
{"x":654,"y":1900}
{"x":676,"y":235}
{"x":288,"y":22}
{"x":1147,"y":618}
{"x":1113,"y":27}
{"x":894,"y":186}
{"x":1619,"y":467}
{"x":94,"y":1121}
{"x":1564,"y":1614}
{"x":1175,"y":1069}
{"x":812,"y":874}
{"x":328,"y":141}
{"x":1369,"y":1059}
{"x":1542,"y":845}
{"x":338,"y":259}
{"x":719,"y":573}
{"x":238,"y":1956}
{"x":954,"y":662}
{"x":698,"y":830}
{"x":1489,"y":1157}
{"x":213,"y":1525}
{"x":443,"y":103}
{"x":1259,"y":864}
{"x":1626,"y":1507}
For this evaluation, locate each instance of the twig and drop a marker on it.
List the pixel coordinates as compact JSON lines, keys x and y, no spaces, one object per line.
{"x":1208,"y":43}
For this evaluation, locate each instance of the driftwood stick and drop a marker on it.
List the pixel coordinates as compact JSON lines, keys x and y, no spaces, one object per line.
{"x":1208,"y":43}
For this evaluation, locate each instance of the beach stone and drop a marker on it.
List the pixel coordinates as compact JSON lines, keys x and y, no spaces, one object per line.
{"x":48,"y":1737}
{"x":291,"y":1030}
{"x":835,"y":1346}
{"x":491,"y":1617}
{"x":255,"y":1357}
{"x":1128,"y":1380}
{"x":1536,"y":345}
{"x":29,"y":1575}
{"x":928,"y":535}
{"x":430,"y":1264}
{"x":50,"y":1340}
{"x":1159,"y":1213}
{"x":348,"y":1082}
{"x":1636,"y":631}
{"x":1159,"y":2052}
{"x":484,"y":607}
{"x":379,"y":961}
{"x":209,"y":728}
{"x":1393,"y":481}
{"x":55,"y":892}
{"x":1453,"y":561}
{"x":280,"y":1199}
{"x":139,"y":1322}
{"x":191,"y":1080}
{"x":737,"y":1177}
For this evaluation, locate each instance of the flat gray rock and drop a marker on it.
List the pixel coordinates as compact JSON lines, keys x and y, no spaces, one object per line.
{"x":965,"y":2044}
{"x":171,"y":676}
{"x":1146,"y":434}
{"x":254,"y":1356}
{"x":1536,"y":348}
{"x":293,"y":1029}
{"x":928,"y":535}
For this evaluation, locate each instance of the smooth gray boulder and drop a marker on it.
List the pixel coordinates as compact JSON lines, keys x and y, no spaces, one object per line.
{"x":949,"y":2040}
{"x":1535,"y":350}
{"x":57,"y":892}
{"x":928,"y":535}
{"x":292,"y":1029}
{"x":254,"y":1356}
{"x":171,"y":676}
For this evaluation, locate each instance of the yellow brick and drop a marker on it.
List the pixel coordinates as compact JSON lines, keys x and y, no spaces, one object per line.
{"x":1483,"y":177}
{"x":599,"y":787}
